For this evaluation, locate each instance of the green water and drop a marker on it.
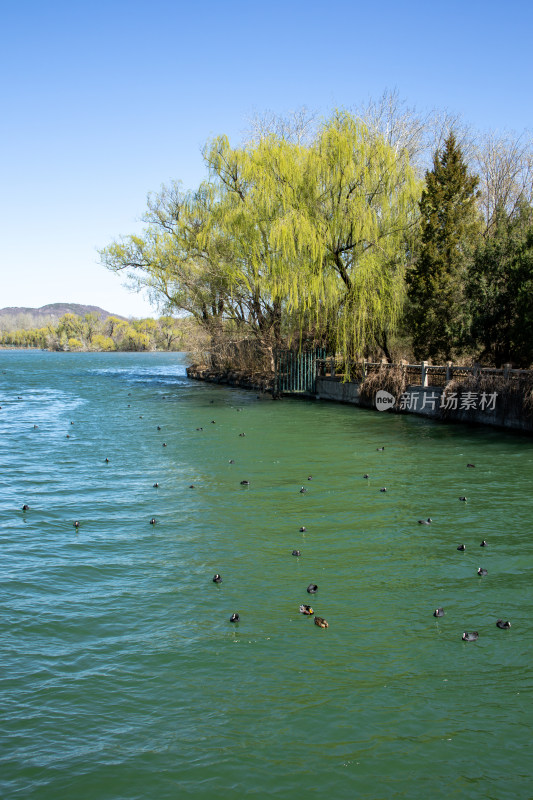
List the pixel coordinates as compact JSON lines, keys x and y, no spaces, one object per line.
{"x":120,"y":673}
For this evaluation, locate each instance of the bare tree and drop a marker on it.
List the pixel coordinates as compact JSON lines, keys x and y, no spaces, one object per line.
{"x":297,"y":127}
{"x":504,"y":163}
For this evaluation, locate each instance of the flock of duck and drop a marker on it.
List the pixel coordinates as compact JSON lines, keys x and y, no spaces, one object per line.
{"x":305,"y":609}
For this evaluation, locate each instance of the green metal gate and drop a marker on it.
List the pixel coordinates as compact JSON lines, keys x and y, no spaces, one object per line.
{"x":296,"y":371}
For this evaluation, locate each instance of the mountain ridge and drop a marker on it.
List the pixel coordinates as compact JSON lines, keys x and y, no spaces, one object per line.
{"x":51,"y":312}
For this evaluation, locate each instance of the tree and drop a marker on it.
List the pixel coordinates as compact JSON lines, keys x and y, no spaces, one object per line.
{"x":500,"y":288}
{"x":504,"y":164}
{"x":450,"y":225}
{"x":286,"y":240}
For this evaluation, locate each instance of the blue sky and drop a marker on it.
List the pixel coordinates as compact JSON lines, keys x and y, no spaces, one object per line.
{"x":102,"y":102}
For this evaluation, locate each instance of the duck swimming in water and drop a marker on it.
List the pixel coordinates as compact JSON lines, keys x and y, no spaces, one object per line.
{"x":427,"y":521}
{"x":484,"y":543}
{"x":217,"y":578}
{"x":462,"y":547}
{"x":76,"y":524}
{"x":245,"y":483}
{"x":321,"y":622}
{"x":366,"y":476}
{"x":470,"y":637}
{"x":501,"y":624}
{"x":296,"y":553}
{"x":303,"y":490}
{"x":25,"y":507}
{"x":234,"y":617}
{"x":439,"y":612}
{"x":482,"y":571}
{"x":463,"y":499}
{"x":383,"y":490}
{"x":307,"y":610}
{"x":380,"y":449}
{"x":303,"y":529}
{"x":471,"y":466}
{"x":231,"y":461}
{"x":312,"y":588}
{"x":153,"y":521}
{"x":156,"y":486}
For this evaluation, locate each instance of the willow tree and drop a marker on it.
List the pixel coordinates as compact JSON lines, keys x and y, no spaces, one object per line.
{"x":342,"y":215}
{"x":283,"y":235}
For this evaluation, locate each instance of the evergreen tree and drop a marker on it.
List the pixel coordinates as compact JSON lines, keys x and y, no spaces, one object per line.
{"x":450,"y":223}
{"x":500,"y":289}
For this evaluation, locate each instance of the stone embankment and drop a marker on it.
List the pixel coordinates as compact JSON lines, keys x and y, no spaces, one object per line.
{"x":236,"y":378}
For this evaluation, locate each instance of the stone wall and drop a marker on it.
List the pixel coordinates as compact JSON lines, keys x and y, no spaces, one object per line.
{"x":426,"y":402}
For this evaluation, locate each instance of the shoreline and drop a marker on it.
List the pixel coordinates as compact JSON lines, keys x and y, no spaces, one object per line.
{"x":418,"y":400}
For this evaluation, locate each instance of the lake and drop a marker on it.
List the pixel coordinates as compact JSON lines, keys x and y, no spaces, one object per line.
{"x":121,"y":674}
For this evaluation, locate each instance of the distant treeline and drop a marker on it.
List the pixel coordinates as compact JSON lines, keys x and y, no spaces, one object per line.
{"x":379,"y":233}
{"x":91,"y":333}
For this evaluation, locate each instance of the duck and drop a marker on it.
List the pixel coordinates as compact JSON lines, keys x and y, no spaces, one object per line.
{"x":481,"y":571}
{"x":312,"y":588}
{"x":245,"y":483}
{"x":383,"y":489}
{"x":470,"y":637}
{"x":199,"y":429}
{"x":303,"y":529}
{"x":484,"y":543}
{"x":192,"y":486}
{"x":462,"y":547}
{"x":321,"y":622}
{"x":366,"y":475}
{"x":164,"y":444}
{"x":439,"y":612}
{"x":231,"y":461}
{"x":159,"y":427}
{"x":106,"y":461}
{"x":296,"y":553}
{"x":25,"y":507}
{"x":76,"y":524}
{"x":153,"y":521}
{"x":156,"y":485}
{"x":307,"y":610}
{"x":303,"y":490}
{"x":35,"y":426}
{"x":213,"y":422}
{"x":380,"y":449}
{"x":234,"y":617}
{"x":217,"y":578}
{"x":242,"y":434}
{"x":463,"y":499}
{"x":501,"y":624}
{"x":309,"y":477}
{"x":472,"y":466}
{"x":427,"y":521}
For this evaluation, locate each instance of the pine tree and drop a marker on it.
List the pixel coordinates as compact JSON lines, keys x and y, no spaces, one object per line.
{"x":450,"y":224}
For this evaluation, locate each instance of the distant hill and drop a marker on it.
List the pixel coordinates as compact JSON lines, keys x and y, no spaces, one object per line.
{"x":22,"y":318}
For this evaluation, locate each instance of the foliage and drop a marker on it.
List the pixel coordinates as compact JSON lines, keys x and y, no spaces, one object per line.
{"x":450,"y":223}
{"x":500,"y":288}
{"x":285,"y":238}
{"x":77,"y":333}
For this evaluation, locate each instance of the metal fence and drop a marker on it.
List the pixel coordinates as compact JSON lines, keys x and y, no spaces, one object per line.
{"x":296,"y":371}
